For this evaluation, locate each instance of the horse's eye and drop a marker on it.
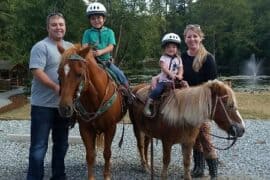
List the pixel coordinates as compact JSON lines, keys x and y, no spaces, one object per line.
{"x":231,"y":107}
{"x":79,"y":76}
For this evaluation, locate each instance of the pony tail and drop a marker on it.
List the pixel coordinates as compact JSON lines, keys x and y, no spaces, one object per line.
{"x":199,"y":58}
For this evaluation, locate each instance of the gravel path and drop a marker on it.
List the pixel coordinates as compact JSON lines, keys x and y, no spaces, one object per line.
{"x":249,"y":159}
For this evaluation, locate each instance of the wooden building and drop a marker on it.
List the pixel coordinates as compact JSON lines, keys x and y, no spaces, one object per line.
{"x":12,"y":75}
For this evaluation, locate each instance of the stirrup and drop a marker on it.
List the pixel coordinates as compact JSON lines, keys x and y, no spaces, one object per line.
{"x":147,"y":112}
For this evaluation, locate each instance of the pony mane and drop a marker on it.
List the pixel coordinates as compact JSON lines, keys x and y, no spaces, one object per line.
{"x":192,"y":106}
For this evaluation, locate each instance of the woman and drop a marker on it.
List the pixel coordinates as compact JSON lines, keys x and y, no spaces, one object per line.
{"x":199,"y":67}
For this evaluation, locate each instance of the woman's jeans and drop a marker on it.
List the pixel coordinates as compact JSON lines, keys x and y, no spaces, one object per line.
{"x":43,"y":120}
{"x":119,"y":74}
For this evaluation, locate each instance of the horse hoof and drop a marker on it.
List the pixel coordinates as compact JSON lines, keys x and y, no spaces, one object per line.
{"x":91,"y":178}
{"x":188,"y":177}
{"x":146,"y":167}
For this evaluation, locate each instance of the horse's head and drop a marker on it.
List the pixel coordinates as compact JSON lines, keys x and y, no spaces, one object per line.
{"x":224,"y":109}
{"x":72,"y":71}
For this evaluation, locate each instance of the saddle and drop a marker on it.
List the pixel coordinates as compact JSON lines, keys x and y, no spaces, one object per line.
{"x":143,"y":94}
{"x":129,"y":97}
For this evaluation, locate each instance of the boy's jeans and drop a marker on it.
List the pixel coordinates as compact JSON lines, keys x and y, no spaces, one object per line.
{"x":120,"y":75}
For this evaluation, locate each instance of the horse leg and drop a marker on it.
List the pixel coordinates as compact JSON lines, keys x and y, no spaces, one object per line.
{"x":167,"y":147}
{"x":89,"y":138}
{"x":140,"y":137}
{"x":108,"y":136}
{"x":187,"y":152}
{"x":146,"y":146}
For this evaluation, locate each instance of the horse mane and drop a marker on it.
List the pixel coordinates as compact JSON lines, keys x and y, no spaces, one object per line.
{"x":76,"y":49}
{"x":68,"y":52}
{"x":192,"y":106}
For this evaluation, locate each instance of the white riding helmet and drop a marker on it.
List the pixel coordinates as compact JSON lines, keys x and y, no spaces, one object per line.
{"x":170,"y":38}
{"x":96,"y":8}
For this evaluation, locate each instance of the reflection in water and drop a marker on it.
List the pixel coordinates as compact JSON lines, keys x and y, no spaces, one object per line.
{"x":249,"y":83}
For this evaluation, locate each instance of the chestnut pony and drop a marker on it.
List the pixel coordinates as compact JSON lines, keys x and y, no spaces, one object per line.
{"x":180,"y":116}
{"x":87,"y":89}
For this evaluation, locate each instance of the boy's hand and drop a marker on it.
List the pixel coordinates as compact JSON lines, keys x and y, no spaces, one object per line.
{"x":97,"y":53}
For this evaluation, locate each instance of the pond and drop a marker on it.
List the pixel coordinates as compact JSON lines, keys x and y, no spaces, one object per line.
{"x":249,"y":83}
{"x":239,"y":83}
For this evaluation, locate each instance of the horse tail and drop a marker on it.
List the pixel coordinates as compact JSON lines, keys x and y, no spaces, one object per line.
{"x":100,"y":141}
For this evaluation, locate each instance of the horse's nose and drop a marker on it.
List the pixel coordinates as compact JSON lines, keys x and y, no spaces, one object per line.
{"x":236,"y":130}
{"x":65,"y":111}
{"x":241,"y":131}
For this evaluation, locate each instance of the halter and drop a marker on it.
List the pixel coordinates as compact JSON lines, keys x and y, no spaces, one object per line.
{"x":219,"y":99}
{"x":77,"y":105}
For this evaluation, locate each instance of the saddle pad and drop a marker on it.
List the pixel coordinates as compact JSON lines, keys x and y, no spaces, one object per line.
{"x":143,"y":93}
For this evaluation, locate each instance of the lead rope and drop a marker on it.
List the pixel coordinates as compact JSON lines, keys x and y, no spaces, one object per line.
{"x":229,"y":119}
{"x":152,"y":159}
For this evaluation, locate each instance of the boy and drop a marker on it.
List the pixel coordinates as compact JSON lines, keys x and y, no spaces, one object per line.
{"x":102,"y":38}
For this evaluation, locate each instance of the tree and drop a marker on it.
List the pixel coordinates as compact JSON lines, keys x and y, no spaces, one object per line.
{"x":6,"y":38}
{"x":227,"y":27}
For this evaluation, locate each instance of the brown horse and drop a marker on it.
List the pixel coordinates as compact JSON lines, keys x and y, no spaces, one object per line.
{"x":180,"y":117}
{"x":87,"y":89}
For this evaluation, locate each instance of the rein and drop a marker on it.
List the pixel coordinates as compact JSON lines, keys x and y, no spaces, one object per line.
{"x":218,"y":99}
{"x":104,"y":106}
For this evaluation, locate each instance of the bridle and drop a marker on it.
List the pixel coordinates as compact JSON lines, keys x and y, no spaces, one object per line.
{"x":234,"y":138}
{"x":78,"y":106}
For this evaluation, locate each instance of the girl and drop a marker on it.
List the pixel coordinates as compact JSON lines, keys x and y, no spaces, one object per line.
{"x":171,"y":68}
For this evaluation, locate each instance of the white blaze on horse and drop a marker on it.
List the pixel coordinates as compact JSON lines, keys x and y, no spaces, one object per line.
{"x":180,"y":116}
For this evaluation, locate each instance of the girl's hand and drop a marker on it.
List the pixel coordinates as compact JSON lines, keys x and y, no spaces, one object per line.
{"x":154,"y":82}
{"x":173,"y":76}
{"x":184,"y":84}
{"x":179,"y":77}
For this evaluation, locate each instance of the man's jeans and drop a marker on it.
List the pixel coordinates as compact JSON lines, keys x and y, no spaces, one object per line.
{"x":43,"y":120}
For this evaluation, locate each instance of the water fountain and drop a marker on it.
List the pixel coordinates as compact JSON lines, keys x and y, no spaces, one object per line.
{"x":253,"y":66}
{"x":252,"y":78}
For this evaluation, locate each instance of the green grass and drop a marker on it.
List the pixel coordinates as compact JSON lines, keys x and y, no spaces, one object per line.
{"x":251,"y":106}
{"x":254,"y":105}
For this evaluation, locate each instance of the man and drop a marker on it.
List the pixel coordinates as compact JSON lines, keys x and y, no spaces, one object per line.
{"x":44,"y":61}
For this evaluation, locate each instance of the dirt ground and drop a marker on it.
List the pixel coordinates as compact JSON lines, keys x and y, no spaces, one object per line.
{"x":19,"y":109}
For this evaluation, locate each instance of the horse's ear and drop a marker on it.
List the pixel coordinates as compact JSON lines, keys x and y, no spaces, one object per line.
{"x":60,"y":49}
{"x":83,"y":51}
